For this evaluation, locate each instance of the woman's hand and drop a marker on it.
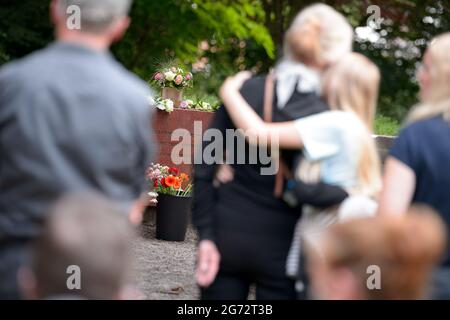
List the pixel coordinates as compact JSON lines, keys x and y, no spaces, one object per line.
{"x":136,"y":213}
{"x":235,"y":83}
{"x":208,"y":262}
{"x":224,"y":175}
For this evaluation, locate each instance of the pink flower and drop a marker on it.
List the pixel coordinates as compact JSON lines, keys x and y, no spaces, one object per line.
{"x":178,"y":79}
{"x":159,"y":76}
{"x":184,"y":105}
{"x":189,"y":76}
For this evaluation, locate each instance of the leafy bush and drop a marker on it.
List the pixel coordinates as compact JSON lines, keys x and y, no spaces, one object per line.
{"x":386,"y":126}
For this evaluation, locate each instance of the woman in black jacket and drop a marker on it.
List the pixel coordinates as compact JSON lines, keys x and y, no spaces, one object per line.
{"x":245,"y":231}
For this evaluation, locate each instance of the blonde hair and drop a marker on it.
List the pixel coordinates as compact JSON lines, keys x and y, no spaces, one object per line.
{"x":319,"y":35}
{"x":352,"y":85}
{"x":438,"y":101}
{"x":406,"y":248}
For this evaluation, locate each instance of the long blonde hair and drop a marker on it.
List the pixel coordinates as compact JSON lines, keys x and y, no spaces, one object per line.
{"x":352,"y":85}
{"x":438,"y":100}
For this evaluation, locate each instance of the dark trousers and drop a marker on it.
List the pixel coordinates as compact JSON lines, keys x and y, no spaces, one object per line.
{"x":13,"y":255}
{"x":234,"y":286}
{"x":251,"y":259}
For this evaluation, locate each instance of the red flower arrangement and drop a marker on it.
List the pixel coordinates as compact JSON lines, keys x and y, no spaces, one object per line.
{"x":168,"y":180}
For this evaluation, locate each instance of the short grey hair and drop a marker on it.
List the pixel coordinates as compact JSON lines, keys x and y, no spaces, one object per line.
{"x":97,"y":15}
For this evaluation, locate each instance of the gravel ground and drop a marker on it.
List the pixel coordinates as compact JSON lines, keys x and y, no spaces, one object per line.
{"x":165,"y":270}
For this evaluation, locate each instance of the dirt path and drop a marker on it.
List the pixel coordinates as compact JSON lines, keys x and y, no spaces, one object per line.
{"x":165,"y":270}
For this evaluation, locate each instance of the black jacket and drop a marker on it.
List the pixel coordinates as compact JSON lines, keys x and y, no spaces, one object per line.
{"x":247,"y":203}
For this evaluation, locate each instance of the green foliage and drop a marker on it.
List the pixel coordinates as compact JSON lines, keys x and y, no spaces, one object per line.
{"x":214,"y":39}
{"x":210,"y":99}
{"x":406,"y":29}
{"x":386,"y":126}
{"x":172,"y":29}
{"x":24,"y":27}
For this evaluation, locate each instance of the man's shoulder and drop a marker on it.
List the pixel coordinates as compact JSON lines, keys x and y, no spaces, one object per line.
{"x":29,"y":66}
{"x":430,"y":130}
{"x":426,"y":124}
{"x":254,"y":84}
{"x":128,"y":81}
{"x":305,"y":104}
{"x":253,"y":92}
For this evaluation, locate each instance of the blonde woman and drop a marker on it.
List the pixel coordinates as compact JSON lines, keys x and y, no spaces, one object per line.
{"x":245,"y":230}
{"x":417,"y":170}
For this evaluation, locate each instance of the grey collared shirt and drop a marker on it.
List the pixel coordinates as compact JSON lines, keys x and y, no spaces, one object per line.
{"x":71,"y":120}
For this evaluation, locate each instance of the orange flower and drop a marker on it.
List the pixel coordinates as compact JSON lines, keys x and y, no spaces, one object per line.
{"x":177,"y":184}
{"x":170,"y":181}
{"x":184,"y":177}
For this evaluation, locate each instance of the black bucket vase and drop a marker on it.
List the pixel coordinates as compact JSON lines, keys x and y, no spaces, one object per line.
{"x":172,"y":217}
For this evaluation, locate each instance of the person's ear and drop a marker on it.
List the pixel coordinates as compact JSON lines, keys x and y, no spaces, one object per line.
{"x":27,"y":283}
{"x":119,"y":28}
{"x":54,"y":14}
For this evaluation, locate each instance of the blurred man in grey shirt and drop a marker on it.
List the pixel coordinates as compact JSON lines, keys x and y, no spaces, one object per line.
{"x":71,"y":119}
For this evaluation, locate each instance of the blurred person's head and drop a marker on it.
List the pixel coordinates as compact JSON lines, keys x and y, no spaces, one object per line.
{"x":434,"y":80}
{"x":88,"y":232}
{"x":318,"y":37}
{"x":403,"y":249}
{"x":102,"y":22}
{"x":352,"y":84}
